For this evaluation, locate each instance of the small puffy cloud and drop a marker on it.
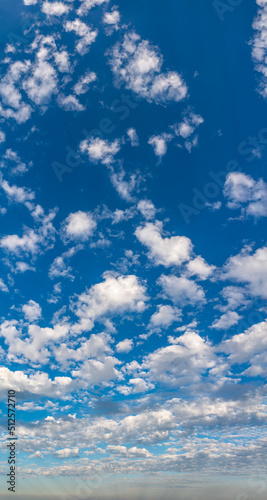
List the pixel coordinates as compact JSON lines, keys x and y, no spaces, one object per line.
{"x":187,"y":127}
{"x":250,"y":269}
{"x":112,"y":19}
{"x":55,"y":8}
{"x":147,"y":209}
{"x":182,"y":291}
{"x":67,"y":453}
{"x":32,"y":311}
{"x":69,"y":103}
{"x":230,"y":318}
{"x":86,"y":35}
{"x":78,"y":226}
{"x":17,"y":194}
{"x":113,"y":296}
{"x":3,"y":286}
{"x":27,"y":243}
{"x":137,"y":64}
{"x":87,"y":5}
{"x":82,"y":86}
{"x":132,"y":134}
{"x":165,"y":316}
{"x":100,"y":150}
{"x":167,"y":252}
{"x":199,"y":267}
{"x":159,"y":144}
{"x":242,"y":191}
{"x":124,"y":346}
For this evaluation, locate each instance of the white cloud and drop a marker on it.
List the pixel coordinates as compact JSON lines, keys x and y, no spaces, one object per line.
{"x":87,"y":5}
{"x":36,"y":383}
{"x":124,"y":187}
{"x":2,"y":136}
{"x":42,"y":83}
{"x":159,"y":143}
{"x":27,"y":243}
{"x":124,"y":346}
{"x":244,"y":347}
{"x":182,"y":291}
{"x":249,"y":268}
{"x":15,"y":193}
{"x":184,"y":362}
{"x":78,"y":226}
{"x":132,"y":134}
{"x":259,"y":45}
{"x":69,"y":103}
{"x":165,"y":316}
{"x":100,"y":150}
{"x":230,"y":318}
{"x":199,"y":267}
{"x":114,"y":295}
{"x":137,"y":64}
{"x":3,"y":286}
{"x":32,"y":311}
{"x":168,"y":252}
{"x":86,"y":35}
{"x":82,"y":86}
{"x":55,"y":8}
{"x":147,"y":209}
{"x":67,"y":453}
{"x":62,"y":61}
{"x":112,"y":19}
{"x":242,"y":191}
{"x":97,"y":372}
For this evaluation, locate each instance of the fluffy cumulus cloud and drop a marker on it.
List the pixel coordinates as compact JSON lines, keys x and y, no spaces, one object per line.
{"x":55,"y":8}
{"x":86,"y":35}
{"x":242,"y":191}
{"x":185,"y":361}
{"x":249,"y":347}
{"x":78,"y":226}
{"x":230,"y":318}
{"x":38,"y":383}
{"x":182,"y":291}
{"x":125,"y":345}
{"x":167,"y":252}
{"x":32,"y":311}
{"x":114,"y":295}
{"x":199,"y":267}
{"x":249,"y":268}
{"x":137,"y":65}
{"x":100,"y":150}
{"x":165,"y":316}
{"x":159,"y":144}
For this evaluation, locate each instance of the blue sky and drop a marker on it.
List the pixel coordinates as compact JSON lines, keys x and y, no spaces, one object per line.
{"x":133,"y":205}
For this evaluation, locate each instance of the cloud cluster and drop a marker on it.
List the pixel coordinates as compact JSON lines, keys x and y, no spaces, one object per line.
{"x":137,"y":65}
